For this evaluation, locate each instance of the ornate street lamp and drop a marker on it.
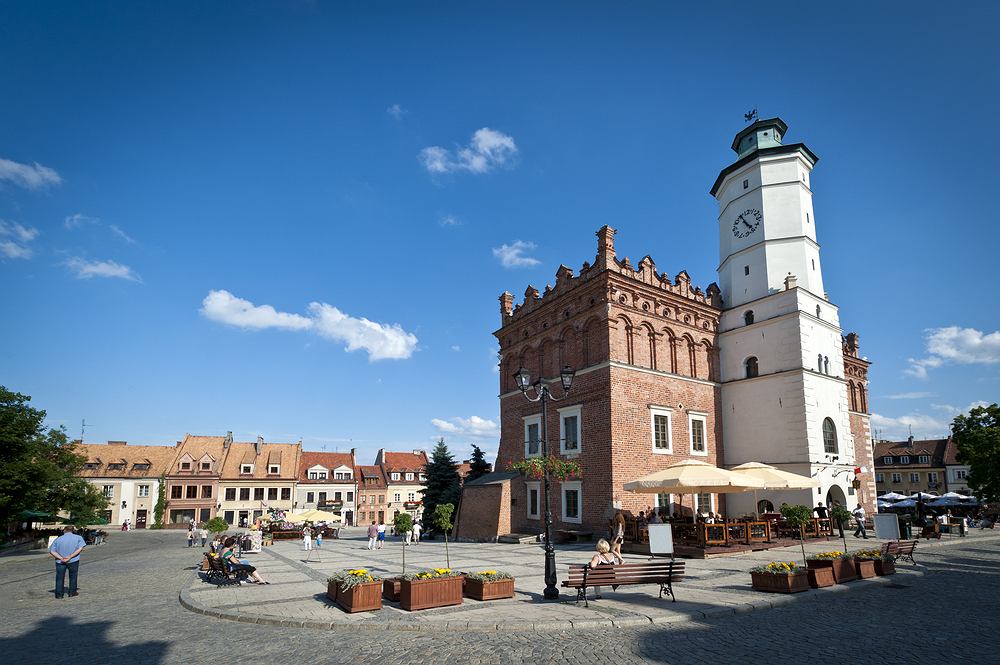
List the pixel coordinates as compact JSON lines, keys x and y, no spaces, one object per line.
{"x":543,"y":395}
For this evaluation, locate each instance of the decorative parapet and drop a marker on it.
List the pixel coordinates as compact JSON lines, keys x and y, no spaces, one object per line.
{"x":607,"y":260}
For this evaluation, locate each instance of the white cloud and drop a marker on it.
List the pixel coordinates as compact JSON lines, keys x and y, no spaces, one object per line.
{"x":224,"y":307}
{"x":916,"y":395}
{"x":382,"y":341}
{"x":512,"y":255}
{"x":85,"y":269}
{"x":923,"y":426}
{"x":488,"y":149}
{"x":473,"y":426}
{"x":118,"y":233}
{"x":21,"y":235}
{"x":29,"y":176}
{"x":456,"y":348}
{"x":963,"y":346}
{"x":450,"y":220}
{"x":396,"y":111}
{"x":77,"y":220}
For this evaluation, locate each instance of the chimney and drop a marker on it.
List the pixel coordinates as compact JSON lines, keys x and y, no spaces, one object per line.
{"x":506,"y":306}
{"x":417,"y":452}
{"x":354,"y":455}
{"x":260,"y":444}
{"x":605,"y":248}
{"x":909,"y":442}
{"x":228,"y":440}
{"x":791,"y":282}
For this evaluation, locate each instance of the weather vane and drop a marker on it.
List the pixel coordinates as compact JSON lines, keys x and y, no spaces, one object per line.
{"x":751,"y":116}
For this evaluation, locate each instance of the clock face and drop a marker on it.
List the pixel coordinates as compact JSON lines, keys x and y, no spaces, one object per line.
{"x":747,"y":222}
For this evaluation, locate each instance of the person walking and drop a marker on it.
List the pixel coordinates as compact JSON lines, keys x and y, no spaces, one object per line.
{"x":416,"y":532}
{"x":307,"y":543}
{"x":859,"y":515}
{"x":381,"y":535}
{"x":372,"y":535}
{"x":66,"y":551}
{"x":617,"y":534}
{"x":204,"y":535}
{"x":319,"y":538}
{"x":191,"y":535}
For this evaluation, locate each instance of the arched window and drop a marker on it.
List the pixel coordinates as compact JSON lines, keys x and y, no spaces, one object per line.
{"x":765,"y":506}
{"x":829,"y":436}
{"x":826,"y":365}
{"x":819,"y":363}
{"x":818,"y":311}
{"x":748,"y":317}
{"x":751,"y":367}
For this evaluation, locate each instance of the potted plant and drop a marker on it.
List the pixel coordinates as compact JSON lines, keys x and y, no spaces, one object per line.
{"x":431,"y":588}
{"x":489,"y":585}
{"x":798,"y":517}
{"x":355,"y":590}
{"x":875,"y":560}
{"x":780,"y":577}
{"x":841,"y":563}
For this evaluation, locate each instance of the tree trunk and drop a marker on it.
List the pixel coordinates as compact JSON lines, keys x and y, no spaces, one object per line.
{"x":404,"y":557}
{"x":447,"y":555}
{"x":802,"y":544}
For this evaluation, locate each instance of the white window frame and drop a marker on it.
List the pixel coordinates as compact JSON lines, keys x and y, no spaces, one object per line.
{"x":961,"y":474}
{"x":409,"y":477}
{"x":572,"y":486}
{"x":411,"y":496}
{"x":143,"y":490}
{"x":879,"y":478}
{"x":423,"y":477}
{"x":396,"y":496}
{"x":932,"y":476}
{"x":904,"y":459}
{"x":528,"y":421}
{"x":395,"y":476}
{"x":274,"y":469}
{"x":698,"y":506}
{"x":703,"y":417}
{"x":924,"y":459}
{"x":246,"y":468}
{"x":897,"y":478}
{"x":569,"y":412}
{"x":914,"y":477}
{"x":537,"y":487}
{"x":104,"y":491}
{"x":887,"y":459}
{"x":661,"y":411}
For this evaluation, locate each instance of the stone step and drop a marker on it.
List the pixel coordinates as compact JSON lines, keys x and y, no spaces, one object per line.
{"x":517,"y":538}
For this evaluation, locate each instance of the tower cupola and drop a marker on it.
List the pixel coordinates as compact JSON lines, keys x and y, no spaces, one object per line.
{"x":761,"y":134}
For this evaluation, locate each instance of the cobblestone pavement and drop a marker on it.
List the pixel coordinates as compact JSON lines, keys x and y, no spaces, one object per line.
{"x":943,"y":610}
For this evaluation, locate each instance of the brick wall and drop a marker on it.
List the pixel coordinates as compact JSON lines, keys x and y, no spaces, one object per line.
{"x":484,"y":512}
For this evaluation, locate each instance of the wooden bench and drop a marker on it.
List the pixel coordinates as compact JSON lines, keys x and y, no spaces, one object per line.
{"x":901,"y":549}
{"x":664,"y":573}
{"x":218,"y":570}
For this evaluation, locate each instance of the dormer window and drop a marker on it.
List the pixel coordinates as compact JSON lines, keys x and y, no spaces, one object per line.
{"x":185,"y":466}
{"x":904,"y":459}
{"x":423,"y":478}
{"x":395,"y":475}
{"x":116,"y":466}
{"x":206,"y":466}
{"x":90,"y":466}
{"x":887,"y":459}
{"x":924,"y":459}
{"x":409,"y":476}
{"x":273,"y":469}
{"x":246,"y":468}
{"x":142,"y":466}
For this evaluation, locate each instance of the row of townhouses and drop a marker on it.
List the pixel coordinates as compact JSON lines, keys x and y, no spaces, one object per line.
{"x":209,"y":476}
{"x":912,"y":466}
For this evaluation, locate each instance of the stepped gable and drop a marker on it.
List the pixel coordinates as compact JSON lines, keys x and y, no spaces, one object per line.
{"x":606,"y":260}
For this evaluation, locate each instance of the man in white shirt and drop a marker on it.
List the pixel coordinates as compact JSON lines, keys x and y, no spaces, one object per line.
{"x":416,"y":532}
{"x":859,"y":515}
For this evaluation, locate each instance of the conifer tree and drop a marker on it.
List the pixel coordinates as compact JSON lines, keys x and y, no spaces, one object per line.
{"x":479,"y":466}
{"x":442,"y":479}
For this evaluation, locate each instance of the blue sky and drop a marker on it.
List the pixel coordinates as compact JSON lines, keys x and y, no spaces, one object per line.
{"x":294,"y":218}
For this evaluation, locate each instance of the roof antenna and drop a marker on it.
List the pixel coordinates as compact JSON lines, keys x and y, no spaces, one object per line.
{"x":83,"y":428}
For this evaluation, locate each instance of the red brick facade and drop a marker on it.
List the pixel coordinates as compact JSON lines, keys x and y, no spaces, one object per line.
{"x":856,"y":373}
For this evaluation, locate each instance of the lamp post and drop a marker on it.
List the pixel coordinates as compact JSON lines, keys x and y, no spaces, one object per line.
{"x":543,"y":395}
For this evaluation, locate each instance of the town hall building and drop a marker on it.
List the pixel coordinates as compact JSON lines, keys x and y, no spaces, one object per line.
{"x":754,"y":367}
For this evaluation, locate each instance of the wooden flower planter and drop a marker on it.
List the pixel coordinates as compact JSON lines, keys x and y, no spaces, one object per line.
{"x":885,"y":567}
{"x":843,"y":569}
{"x":821,"y":577}
{"x":390,"y":589}
{"x":489,"y":590}
{"x":361,"y":598}
{"x":780,"y":583}
{"x":865,"y":568}
{"x":437,"y":592}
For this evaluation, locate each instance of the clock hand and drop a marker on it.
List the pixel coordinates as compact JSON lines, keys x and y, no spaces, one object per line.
{"x":746,"y":225}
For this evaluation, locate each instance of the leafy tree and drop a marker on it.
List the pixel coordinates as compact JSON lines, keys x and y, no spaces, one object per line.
{"x":479,"y":466}
{"x":161,"y":504}
{"x":443,"y":483}
{"x":442,"y":520}
{"x":798,"y":516}
{"x":404,"y":524}
{"x":217,"y":525}
{"x":977,"y":436}
{"x":39,"y":466}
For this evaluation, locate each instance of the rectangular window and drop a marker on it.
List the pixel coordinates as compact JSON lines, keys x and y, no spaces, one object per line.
{"x":230,"y":494}
{"x":879,"y":478}
{"x":746,"y":183}
{"x":230,"y":517}
{"x":310,"y":497}
{"x":533,"y":500}
{"x":206,"y":466}
{"x":532,"y":436}
{"x":886,"y":460}
{"x":924,"y":459}
{"x":338,"y":496}
{"x":185,"y":466}
{"x":143,"y":490}
{"x":663,"y":501}
{"x":350,"y":497}
{"x":206,"y":491}
{"x":273,"y":469}
{"x":246,"y":468}
{"x":409,"y":476}
{"x":286,"y":493}
{"x":660,"y":425}
{"x":932,"y":476}
{"x":704,"y":503}
{"x":244,"y":494}
{"x":696,"y":425}
{"x":396,"y":496}
{"x":569,"y":430}
{"x":258,"y":494}
{"x":897,"y":478}
{"x":381,"y":498}
{"x":191,"y":492}
{"x":176,"y":492}
{"x":411,"y":496}
{"x":914,"y":477}
{"x":746,"y":270}
{"x":141,"y":466}
{"x":960,"y":474}
{"x":272,"y":493}
{"x":904,"y":459}
{"x":395,"y":476}
{"x":109,"y":491}
{"x":572,"y":495}
{"x":423,"y":478}
{"x":363,"y":498}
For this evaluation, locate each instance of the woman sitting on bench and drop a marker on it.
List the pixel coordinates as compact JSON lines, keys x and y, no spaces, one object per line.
{"x":229,"y":559}
{"x":604,"y":557}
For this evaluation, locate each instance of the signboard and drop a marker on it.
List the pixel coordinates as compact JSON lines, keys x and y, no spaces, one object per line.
{"x":886,"y":526}
{"x":661,"y":539}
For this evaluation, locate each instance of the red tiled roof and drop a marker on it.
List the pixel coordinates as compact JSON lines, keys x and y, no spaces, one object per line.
{"x":412,"y":461}
{"x":951,"y":452}
{"x":328,"y":461}
{"x":363,"y":472}
{"x":158,"y":458}
{"x":933,"y":447}
{"x":246,"y":453}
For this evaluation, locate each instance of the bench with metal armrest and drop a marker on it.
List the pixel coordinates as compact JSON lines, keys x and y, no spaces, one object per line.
{"x":664,"y":573}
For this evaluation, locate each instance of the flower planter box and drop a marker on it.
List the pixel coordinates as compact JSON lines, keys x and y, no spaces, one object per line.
{"x":885,"y":567}
{"x":780,"y":583}
{"x":390,"y":589}
{"x":437,"y":592}
{"x":843,"y":569}
{"x":489,"y":590}
{"x":821,"y":577}
{"x":360,"y":598}
{"x":865,"y":568}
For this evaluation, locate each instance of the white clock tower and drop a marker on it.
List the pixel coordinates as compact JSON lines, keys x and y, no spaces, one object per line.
{"x":784,"y":397}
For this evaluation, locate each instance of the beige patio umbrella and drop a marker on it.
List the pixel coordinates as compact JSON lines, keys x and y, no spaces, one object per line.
{"x":314,"y":516}
{"x":773,"y":478}
{"x":693,"y":477}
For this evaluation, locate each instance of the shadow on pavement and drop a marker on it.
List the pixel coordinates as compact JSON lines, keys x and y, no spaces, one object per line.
{"x":58,"y":638}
